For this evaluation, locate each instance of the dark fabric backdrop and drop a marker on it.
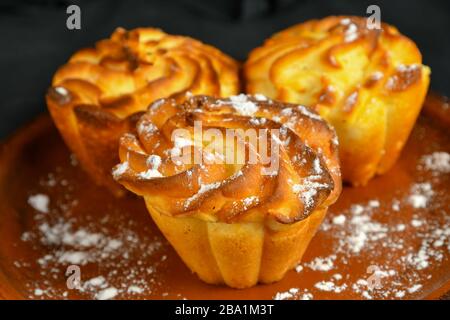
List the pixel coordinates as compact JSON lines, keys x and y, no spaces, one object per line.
{"x":35,"y":40}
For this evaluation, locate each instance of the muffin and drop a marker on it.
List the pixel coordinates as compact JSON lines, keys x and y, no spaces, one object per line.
{"x":238,"y":186}
{"x":98,"y":94}
{"x":368,"y":83}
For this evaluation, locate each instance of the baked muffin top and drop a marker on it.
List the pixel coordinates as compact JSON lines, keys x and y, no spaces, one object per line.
{"x":126,"y":72}
{"x":367,"y":81}
{"x":242,"y":158}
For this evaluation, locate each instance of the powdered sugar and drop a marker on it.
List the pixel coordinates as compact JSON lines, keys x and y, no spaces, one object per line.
{"x":407,"y":68}
{"x":360,"y":229}
{"x":410,"y":244}
{"x":330,"y":286}
{"x":107,"y":294}
{"x":404,"y":76}
{"x":135,"y":289}
{"x":322,"y":264}
{"x":250,"y":201}
{"x":351,"y":32}
{"x":308,"y":189}
{"x":309,"y":113}
{"x":438,"y":162}
{"x":61,"y":90}
{"x":146,"y":127}
{"x":351,"y":100}
{"x":59,"y":239}
{"x":294,"y":293}
{"x":243,"y":105}
{"x":421,"y":194}
{"x":258,"y":121}
{"x":339,"y":219}
{"x":414,"y":288}
{"x":377,"y":75}
{"x":260,"y":97}
{"x":203,"y":189}
{"x":153,"y":161}
{"x":120,"y":169}
{"x":39,"y":202}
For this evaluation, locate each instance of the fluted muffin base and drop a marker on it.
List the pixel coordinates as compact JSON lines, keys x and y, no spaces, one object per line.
{"x":239,"y":255}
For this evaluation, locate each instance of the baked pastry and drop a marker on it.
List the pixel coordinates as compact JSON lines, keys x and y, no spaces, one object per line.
{"x":238,"y":186}
{"x":94,"y":98}
{"x":368,"y":83}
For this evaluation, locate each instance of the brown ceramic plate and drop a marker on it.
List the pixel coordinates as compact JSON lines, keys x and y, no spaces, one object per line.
{"x":52,"y":217}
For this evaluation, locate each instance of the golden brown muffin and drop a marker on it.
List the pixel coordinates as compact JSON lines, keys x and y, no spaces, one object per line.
{"x":233,"y":216}
{"x":96,"y":96}
{"x":369,"y":84}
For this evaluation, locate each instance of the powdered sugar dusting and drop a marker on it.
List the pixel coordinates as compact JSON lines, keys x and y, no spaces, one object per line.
{"x":153,"y":161}
{"x":260,"y":97}
{"x":438,"y":162}
{"x":114,"y":263}
{"x":322,"y":264}
{"x":39,"y":202}
{"x":309,"y":113}
{"x":243,"y":105}
{"x":107,"y":294}
{"x":351,"y":32}
{"x":294,"y":294}
{"x":203,"y":189}
{"x":401,"y":237}
{"x":330,"y":286}
{"x":308,"y":189}
{"x":404,"y":231}
{"x":249,"y":201}
{"x":420,"y":195}
{"x":120,"y":169}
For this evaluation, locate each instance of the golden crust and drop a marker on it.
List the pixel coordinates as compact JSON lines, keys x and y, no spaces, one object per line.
{"x":96,"y":96}
{"x":369,"y":84}
{"x":229,"y":222}
{"x":231,"y":191}
{"x":238,"y":254}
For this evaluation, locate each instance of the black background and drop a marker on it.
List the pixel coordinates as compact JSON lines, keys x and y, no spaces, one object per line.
{"x":165,"y":309}
{"x":35,"y":40}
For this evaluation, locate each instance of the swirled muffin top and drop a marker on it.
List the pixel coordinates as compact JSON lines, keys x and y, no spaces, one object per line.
{"x":368,"y":81}
{"x":241,"y":158}
{"x":126,"y":72}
